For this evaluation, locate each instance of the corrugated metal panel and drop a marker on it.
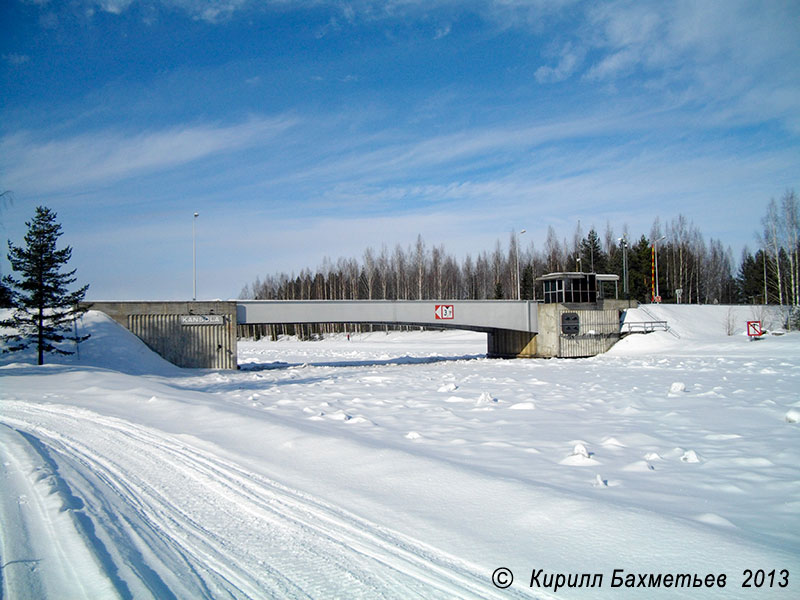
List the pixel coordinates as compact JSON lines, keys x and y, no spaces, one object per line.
{"x":193,"y":346}
{"x":598,"y":331}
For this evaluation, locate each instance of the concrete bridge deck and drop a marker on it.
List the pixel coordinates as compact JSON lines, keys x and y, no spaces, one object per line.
{"x":475,"y":315}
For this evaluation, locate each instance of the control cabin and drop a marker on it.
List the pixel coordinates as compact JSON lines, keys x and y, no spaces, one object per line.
{"x":576,"y":288}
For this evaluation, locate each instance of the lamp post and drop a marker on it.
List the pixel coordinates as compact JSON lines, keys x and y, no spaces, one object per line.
{"x":194,"y":258}
{"x":655,"y":251}
{"x":624,"y":243}
{"x":519,"y":285}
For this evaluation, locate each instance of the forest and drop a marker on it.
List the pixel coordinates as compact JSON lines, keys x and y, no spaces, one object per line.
{"x":689,"y":268}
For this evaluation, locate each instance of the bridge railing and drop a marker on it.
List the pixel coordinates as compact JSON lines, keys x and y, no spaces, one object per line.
{"x":643,"y":326}
{"x":647,"y":327}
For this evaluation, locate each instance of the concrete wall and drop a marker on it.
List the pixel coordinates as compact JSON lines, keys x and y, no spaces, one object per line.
{"x":598,"y":331}
{"x":547,"y":341}
{"x":619,"y":304}
{"x":195,"y":344}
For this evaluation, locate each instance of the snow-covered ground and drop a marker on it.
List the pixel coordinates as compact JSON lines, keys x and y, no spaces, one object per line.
{"x":405,"y":466}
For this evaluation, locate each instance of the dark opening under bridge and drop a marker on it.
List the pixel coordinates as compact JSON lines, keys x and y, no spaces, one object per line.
{"x":203,"y":334}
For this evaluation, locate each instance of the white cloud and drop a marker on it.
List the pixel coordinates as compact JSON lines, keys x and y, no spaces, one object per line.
{"x":16,"y":59}
{"x":614,"y":65}
{"x":115,"y":7}
{"x":658,"y":36}
{"x":92,"y":158}
{"x":569,"y":61}
{"x":442,"y":32}
{"x":211,"y":11}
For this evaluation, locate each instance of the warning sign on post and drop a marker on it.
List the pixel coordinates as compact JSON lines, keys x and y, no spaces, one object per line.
{"x":444,"y":311}
{"x":754,"y":329}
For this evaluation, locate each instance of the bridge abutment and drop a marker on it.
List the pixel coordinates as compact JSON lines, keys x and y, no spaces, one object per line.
{"x":507,"y":343}
{"x":187,"y":334}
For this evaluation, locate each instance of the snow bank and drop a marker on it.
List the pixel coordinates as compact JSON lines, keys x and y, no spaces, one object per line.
{"x":694,"y":327}
{"x":701,"y":322}
{"x":110,"y":346}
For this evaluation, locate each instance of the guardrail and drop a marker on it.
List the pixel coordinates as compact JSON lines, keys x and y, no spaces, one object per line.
{"x":647,"y":327}
{"x":643,"y":326}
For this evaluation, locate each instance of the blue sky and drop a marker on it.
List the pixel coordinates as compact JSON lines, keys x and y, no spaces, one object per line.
{"x":300,"y":130}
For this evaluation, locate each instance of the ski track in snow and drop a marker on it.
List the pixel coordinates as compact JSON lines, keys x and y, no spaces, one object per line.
{"x":226,"y":532}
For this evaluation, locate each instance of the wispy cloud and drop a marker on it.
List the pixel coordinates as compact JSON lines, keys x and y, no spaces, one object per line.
{"x":115,"y":7}
{"x":373,"y":158}
{"x":569,"y":60}
{"x":42,"y":165}
{"x":614,"y":65}
{"x":442,"y":32}
{"x":16,"y":60}
{"x":210,"y":11}
{"x":657,"y":37}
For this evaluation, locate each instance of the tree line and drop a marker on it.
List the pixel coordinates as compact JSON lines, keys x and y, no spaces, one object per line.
{"x":691,"y":269}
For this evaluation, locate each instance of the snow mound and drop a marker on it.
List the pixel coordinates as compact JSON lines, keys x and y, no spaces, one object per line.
{"x":714,"y":519}
{"x":580,"y":450}
{"x":522,"y":406}
{"x":793,"y":415}
{"x":612,"y":442}
{"x":110,"y":346}
{"x":580,"y":457}
{"x":690,"y":456}
{"x":677,"y":388}
{"x":485,"y":398}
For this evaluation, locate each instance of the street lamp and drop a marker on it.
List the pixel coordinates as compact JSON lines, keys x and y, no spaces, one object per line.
{"x":519,"y":286}
{"x":655,"y":251}
{"x":194,"y":258}
{"x":624,"y":243}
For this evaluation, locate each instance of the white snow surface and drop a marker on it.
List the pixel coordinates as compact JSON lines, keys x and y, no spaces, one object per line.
{"x":403,"y":465}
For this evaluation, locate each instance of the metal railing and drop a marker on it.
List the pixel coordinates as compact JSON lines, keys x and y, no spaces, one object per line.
{"x":643,"y":326}
{"x":647,"y":326}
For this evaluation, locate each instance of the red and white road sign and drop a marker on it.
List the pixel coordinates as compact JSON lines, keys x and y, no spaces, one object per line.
{"x":754,"y":329}
{"x":444,"y":311}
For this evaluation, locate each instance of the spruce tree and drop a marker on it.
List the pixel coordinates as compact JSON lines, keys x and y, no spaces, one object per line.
{"x":639,"y":270}
{"x":5,"y":291}
{"x":750,"y":279}
{"x":44,"y":309}
{"x":593,"y":259}
{"x":6,"y":299}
